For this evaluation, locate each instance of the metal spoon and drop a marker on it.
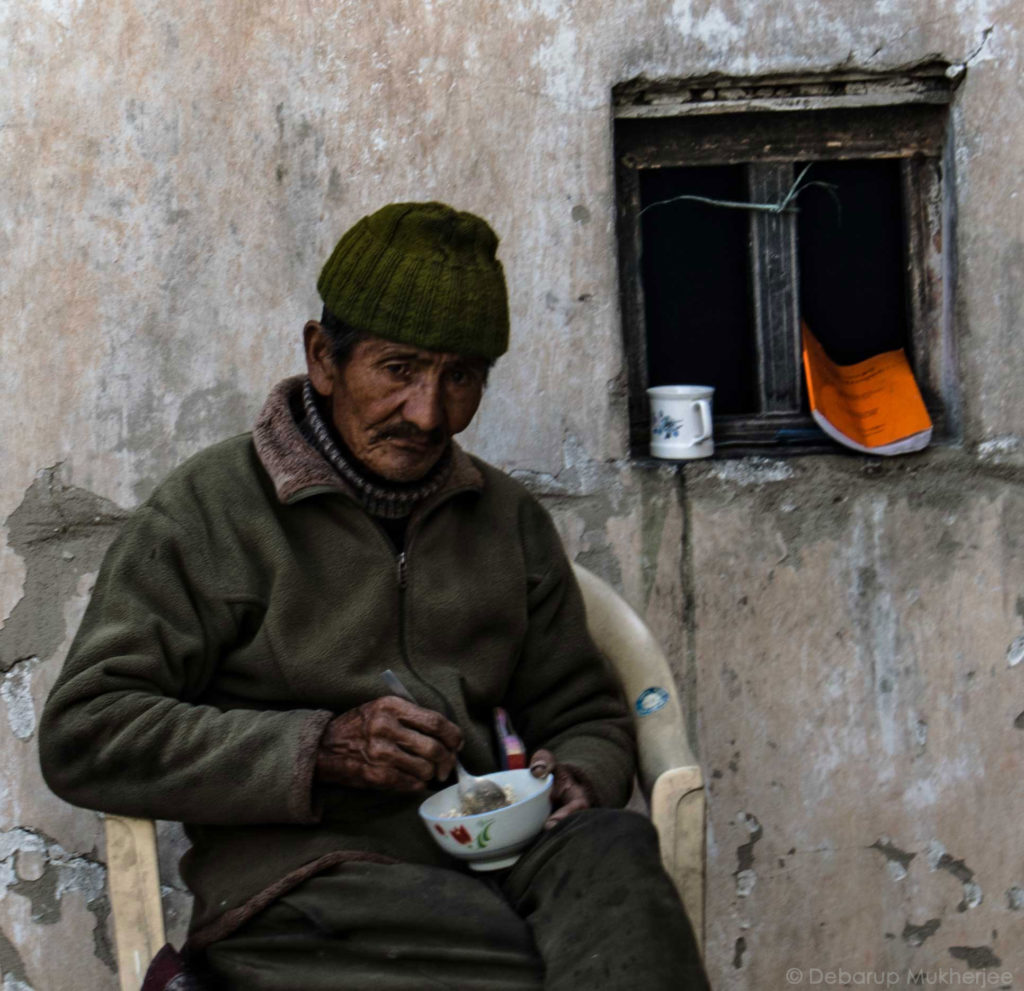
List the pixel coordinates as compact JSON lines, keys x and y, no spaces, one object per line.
{"x":475,"y":794}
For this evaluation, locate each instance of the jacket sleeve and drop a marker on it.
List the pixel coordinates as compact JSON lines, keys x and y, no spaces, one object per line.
{"x":563,"y":697}
{"x":120,"y":731}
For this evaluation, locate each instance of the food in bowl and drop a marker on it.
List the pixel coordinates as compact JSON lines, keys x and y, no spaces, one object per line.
{"x":462,"y":810}
{"x":488,"y":841}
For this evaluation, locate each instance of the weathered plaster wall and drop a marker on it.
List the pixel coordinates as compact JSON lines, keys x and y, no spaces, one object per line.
{"x":849,"y":634}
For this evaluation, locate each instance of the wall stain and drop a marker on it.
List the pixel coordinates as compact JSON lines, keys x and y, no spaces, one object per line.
{"x":208,"y":415}
{"x":745,"y":851}
{"x":61,"y":532}
{"x":976,"y":957}
{"x":61,"y":874}
{"x":959,"y":870}
{"x":916,"y":935}
{"x":746,"y":876}
{"x":740,"y":949}
{"x":898,"y":860}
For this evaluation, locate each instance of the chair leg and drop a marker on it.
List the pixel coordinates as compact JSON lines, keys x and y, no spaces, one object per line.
{"x":134,"y":884}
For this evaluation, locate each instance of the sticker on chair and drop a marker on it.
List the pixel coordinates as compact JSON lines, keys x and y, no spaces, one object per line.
{"x":651,"y":700}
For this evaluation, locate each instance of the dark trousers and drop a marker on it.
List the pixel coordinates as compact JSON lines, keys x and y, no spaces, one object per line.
{"x":586,"y":907}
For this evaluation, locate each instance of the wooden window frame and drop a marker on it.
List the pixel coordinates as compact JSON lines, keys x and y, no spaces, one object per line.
{"x":768,"y":124}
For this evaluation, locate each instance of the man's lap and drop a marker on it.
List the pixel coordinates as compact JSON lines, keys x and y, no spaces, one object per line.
{"x":589,"y":897}
{"x":385,"y":926}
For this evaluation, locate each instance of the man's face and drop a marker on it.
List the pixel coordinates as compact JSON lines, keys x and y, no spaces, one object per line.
{"x":396,"y":406}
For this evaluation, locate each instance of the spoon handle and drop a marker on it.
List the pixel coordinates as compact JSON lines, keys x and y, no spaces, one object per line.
{"x":394,"y":683}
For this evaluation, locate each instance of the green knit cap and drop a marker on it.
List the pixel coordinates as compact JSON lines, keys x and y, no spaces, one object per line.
{"x":423,"y":274}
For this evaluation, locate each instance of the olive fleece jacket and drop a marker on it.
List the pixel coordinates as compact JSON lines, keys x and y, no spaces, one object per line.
{"x":250,"y":599}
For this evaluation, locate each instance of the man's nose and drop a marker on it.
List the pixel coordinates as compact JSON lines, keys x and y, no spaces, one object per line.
{"x":424,"y":406}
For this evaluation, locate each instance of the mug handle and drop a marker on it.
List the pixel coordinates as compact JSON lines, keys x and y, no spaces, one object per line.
{"x":703,"y":408}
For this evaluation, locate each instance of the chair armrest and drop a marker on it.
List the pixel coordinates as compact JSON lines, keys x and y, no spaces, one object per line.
{"x":133,"y":879}
{"x":668,"y":772}
{"x":677,"y":811}
{"x":640,"y":664}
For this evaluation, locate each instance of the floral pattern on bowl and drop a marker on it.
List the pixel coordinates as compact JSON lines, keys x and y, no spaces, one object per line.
{"x":490,"y":840}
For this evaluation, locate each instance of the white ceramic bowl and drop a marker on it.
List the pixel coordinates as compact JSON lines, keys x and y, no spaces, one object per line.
{"x":489,"y":841}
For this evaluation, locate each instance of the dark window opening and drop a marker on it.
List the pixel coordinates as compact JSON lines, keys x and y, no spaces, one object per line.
{"x":696,"y":279}
{"x":715,"y":295}
{"x":850,"y":249}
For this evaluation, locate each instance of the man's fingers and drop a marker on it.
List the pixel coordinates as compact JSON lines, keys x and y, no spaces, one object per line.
{"x":393,"y":779}
{"x":376,"y":746}
{"x":421,"y":733}
{"x":542,"y":763}
{"x":388,"y":753}
{"x":425,"y":721}
{"x":575,"y":805}
{"x":439,"y":758}
{"x":445,"y":767}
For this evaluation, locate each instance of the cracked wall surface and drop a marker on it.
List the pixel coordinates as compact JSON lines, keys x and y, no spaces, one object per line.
{"x":849,"y":635}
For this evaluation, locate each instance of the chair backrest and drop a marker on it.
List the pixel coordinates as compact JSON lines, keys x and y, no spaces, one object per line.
{"x":669,"y":776}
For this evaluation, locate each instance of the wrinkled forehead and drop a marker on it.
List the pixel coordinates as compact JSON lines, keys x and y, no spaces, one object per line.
{"x":378,"y":349}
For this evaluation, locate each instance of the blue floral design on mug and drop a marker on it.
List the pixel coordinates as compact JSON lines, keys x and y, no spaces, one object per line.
{"x":664,"y":424}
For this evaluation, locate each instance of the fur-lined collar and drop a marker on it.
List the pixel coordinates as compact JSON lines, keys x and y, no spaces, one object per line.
{"x":298,"y":469}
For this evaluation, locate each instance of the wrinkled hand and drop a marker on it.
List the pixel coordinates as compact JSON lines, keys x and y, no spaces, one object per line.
{"x":388,"y":744}
{"x":569,"y":792}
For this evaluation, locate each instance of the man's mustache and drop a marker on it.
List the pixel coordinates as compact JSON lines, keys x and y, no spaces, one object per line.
{"x":408,"y":431}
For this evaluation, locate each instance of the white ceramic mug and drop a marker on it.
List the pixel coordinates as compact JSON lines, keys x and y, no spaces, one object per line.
{"x":681,"y":421}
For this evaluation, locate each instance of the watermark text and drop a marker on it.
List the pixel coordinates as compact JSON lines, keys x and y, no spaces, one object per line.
{"x":943,"y":977}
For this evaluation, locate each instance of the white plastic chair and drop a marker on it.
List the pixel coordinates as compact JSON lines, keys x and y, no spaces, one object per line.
{"x":669,"y":778}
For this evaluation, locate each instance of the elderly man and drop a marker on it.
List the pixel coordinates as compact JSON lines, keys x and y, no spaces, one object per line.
{"x":227,"y":673}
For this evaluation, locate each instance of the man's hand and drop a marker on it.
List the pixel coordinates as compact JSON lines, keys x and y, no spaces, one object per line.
{"x":569,"y":791}
{"x":388,"y":744}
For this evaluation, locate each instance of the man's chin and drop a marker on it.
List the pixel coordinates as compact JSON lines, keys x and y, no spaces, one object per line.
{"x":404,"y":462}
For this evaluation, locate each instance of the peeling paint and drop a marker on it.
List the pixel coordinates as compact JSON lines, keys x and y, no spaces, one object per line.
{"x":13,"y":984}
{"x":1015,"y":653}
{"x":934,"y":853}
{"x":745,"y":881}
{"x":1015,"y":898}
{"x":746,"y":876}
{"x":42,"y":871}
{"x":752,"y":471}
{"x":16,"y":693}
{"x":897,"y":861}
{"x":11,"y":965}
{"x":972,"y":896}
{"x":61,"y":532}
{"x":12,"y":578}
{"x":916,"y":935}
{"x":940,"y":860}
{"x":999,"y":449}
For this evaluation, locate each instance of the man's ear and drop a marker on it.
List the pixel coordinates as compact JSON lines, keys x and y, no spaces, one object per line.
{"x":319,"y":363}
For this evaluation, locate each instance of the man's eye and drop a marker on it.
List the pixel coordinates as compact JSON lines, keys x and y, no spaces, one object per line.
{"x":460,"y":376}
{"x":397,"y":369}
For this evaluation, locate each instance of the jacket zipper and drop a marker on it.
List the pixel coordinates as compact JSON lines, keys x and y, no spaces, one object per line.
{"x":402,"y":568}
